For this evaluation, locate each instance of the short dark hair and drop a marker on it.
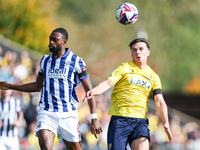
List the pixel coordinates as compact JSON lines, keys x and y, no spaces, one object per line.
{"x":140,"y":40}
{"x":62,"y":31}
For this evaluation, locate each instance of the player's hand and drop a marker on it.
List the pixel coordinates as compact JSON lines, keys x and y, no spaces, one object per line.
{"x":168,"y":132}
{"x":4,"y":85}
{"x":95,"y":127}
{"x":88,"y":95}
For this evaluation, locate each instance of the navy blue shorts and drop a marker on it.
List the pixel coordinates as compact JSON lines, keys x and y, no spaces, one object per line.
{"x":122,"y":130}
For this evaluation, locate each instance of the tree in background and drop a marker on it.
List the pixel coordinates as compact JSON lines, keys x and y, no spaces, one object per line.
{"x":192,"y":87}
{"x":94,"y":33}
{"x":28,"y":22}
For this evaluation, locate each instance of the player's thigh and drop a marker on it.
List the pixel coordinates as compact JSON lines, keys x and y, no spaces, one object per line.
{"x":73,"y":145}
{"x":118,"y":132}
{"x":69,"y":128}
{"x":141,"y":143}
{"x":46,"y":139}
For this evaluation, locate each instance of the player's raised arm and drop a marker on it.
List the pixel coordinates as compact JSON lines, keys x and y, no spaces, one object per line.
{"x":99,"y":89}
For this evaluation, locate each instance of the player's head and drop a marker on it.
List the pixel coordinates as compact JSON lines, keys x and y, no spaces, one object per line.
{"x":6,"y":94}
{"x":58,"y":40}
{"x":139,"y":40}
{"x":63,"y":32}
{"x":140,"y":50}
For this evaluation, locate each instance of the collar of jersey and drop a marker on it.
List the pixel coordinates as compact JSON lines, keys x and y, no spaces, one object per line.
{"x":63,"y":56}
{"x":134,"y":65}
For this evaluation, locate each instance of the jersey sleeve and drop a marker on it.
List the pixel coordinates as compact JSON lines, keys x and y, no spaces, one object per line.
{"x":116,"y":75}
{"x":81,"y":70}
{"x":41,"y":70}
{"x":157,"y":83}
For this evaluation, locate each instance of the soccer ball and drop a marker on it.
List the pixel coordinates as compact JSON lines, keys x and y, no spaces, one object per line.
{"x":127,"y":14}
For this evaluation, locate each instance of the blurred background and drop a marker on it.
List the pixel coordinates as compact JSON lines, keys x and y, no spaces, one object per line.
{"x":172,"y":27}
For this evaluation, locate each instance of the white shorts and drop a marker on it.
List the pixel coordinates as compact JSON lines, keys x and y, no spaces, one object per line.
{"x":63,"y":124}
{"x":11,"y":143}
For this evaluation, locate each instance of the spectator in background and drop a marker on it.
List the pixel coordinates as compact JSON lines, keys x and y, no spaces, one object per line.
{"x":23,"y":69}
{"x":26,"y":61}
{"x":7,"y":66}
{"x":10,"y":115}
{"x":1,"y":55}
{"x":192,"y":130}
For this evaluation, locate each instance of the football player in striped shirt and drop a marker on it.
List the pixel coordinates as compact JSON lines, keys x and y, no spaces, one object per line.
{"x":59,"y":74}
{"x":133,"y":83}
{"x":10,"y":114}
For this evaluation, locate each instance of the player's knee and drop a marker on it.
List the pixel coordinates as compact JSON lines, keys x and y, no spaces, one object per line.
{"x":45,"y":147}
{"x":73,"y":145}
{"x":140,"y":143}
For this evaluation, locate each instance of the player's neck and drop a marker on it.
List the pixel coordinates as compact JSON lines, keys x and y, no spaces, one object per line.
{"x":59,"y":53}
{"x":140,"y":65}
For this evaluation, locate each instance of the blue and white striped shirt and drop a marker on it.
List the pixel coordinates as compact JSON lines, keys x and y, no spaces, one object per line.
{"x":61,"y":76}
{"x":8,"y":114}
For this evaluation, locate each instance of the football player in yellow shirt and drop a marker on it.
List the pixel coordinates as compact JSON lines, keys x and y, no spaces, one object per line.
{"x":133,"y":84}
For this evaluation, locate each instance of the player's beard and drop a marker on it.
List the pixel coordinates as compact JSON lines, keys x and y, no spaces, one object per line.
{"x":54,"y":49}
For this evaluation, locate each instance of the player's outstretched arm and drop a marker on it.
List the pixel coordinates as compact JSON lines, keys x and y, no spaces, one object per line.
{"x":163,"y":114}
{"x":4,"y":85}
{"x":99,"y":89}
{"x":29,"y":87}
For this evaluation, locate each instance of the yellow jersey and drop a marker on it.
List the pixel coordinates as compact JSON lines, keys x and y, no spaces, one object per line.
{"x":133,"y":87}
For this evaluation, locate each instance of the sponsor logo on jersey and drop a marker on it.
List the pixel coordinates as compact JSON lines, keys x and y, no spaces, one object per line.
{"x":57,"y":73}
{"x":140,"y":82}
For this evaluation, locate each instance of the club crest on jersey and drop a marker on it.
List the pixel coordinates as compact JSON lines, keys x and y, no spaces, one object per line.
{"x":67,"y":62}
{"x":149,"y":76}
{"x":39,"y":125}
{"x":110,"y":146}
